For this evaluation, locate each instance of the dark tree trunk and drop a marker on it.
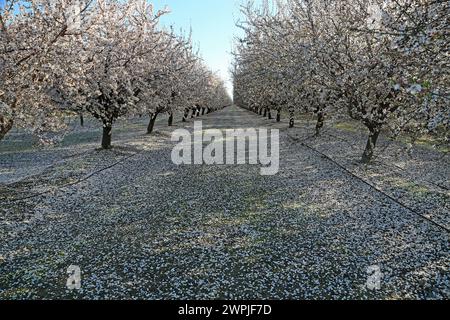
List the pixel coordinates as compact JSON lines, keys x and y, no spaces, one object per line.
{"x":265,"y":112}
{"x":198,"y":112}
{"x":269,"y":115}
{"x":320,"y":122}
{"x":203,"y":111}
{"x":151,"y":124}
{"x":371,"y":144}
{"x":260,"y":111}
{"x":291,"y":116}
{"x":107,"y":136}
{"x":81,"y":120}
{"x":170,"y":119}
{"x":279,"y":116}
{"x":193,"y":113}
{"x":5,"y":126}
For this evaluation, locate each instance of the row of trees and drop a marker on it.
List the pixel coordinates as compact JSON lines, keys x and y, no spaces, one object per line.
{"x":384,"y":63}
{"x":106,"y":58}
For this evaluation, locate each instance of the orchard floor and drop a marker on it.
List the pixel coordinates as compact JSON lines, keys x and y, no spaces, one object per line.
{"x":140,"y":227}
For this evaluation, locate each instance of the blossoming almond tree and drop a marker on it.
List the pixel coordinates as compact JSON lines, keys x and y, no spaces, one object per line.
{"x":383,"y":63}
{"x":166,"y":81}
{"x":117,"y":49}
{"x":32,"y":36}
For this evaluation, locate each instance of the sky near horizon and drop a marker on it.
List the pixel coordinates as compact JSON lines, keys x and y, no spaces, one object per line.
{"x":213,"y":29}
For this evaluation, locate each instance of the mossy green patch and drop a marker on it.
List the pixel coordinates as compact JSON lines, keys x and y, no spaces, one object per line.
{"x":346,"y":126}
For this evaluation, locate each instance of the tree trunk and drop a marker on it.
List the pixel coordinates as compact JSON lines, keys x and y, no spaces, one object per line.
{"x":107,"y":135}
{"x":170,"y":119}
{"x":203,"y":111}
{"x":320,"y":122}
{"x":279,"y":116}
{"x":198,"y":112}
{"x":270,"y":114}
{"x":81,"y":120}
{"x":5,"y":126}
{"x":260,"y":111}
{"x":291,"y":116}
{"x":265,"y":112}
{"x":371,"y":144}
{"x":193,"y":114}
{"x":151,"y":124}
{"x":186,"y":115}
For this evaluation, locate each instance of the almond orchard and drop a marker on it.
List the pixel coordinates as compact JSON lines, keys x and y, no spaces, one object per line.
{"x":224,"y":150}
{"x":108,"y":59}
{"x":382,"y":63}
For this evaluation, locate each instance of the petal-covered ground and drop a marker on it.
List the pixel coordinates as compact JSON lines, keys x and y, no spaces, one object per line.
{"x":140,"y":227}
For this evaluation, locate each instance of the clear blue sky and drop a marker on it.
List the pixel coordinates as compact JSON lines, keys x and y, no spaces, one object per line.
{"x":213,"y":28}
